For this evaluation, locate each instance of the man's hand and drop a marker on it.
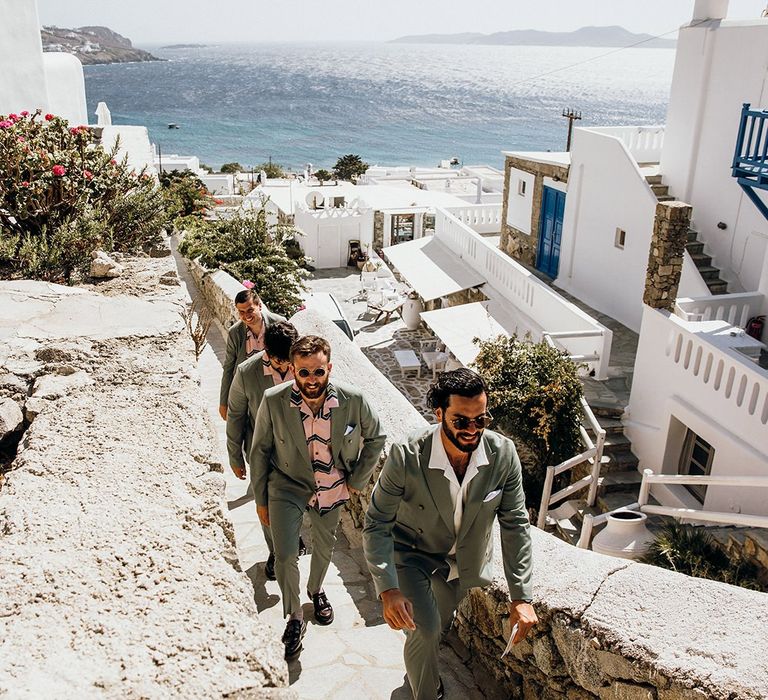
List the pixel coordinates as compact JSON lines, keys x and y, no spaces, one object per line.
{"x":398,"y":610}
{"x":263,"y":512}
{"x":223,"y":412}
{"x":239,"y":471}
{"x":524,"y":615}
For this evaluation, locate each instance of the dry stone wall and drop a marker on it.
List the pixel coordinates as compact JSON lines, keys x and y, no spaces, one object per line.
{"x":609,"y":629}
{"x":118,"y":574}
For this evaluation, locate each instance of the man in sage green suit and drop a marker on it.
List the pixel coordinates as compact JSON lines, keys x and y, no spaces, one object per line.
{"x":428,"y":528}
{"x":244,"y":339}
{"x":314,"y":443}
{"x":253,"y":377}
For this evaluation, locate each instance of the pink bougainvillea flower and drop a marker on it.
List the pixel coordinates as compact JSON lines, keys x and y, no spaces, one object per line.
{"x":218,"y":201}
{"x":5,"y":124}
{"x":48,"y":117}
{"x":25,"y":183}
{"x":25,"y":113}
{"x":87,"y":174}
{"x":58,"y":170}
{"x":113,"y":162}
{"x":21,"y":138}
{"x":248,"y":284}
{"x":74,"y":130}
{"x":13,"y":117}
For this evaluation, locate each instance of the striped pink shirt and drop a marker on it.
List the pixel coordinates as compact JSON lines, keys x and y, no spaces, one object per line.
{"x":254,"y":343}
{"x":330,"y":482}
{"x":270,"y":371}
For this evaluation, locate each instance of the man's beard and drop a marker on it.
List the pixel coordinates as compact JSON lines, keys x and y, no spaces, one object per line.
{"x":317,"y":391}
{"x":454,"y":438}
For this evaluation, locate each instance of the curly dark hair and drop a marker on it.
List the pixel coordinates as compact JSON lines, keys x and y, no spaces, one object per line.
{"x":461,"y":382}
{"x":278,"y":338}
{"x":247,"y":295}
{"x":309,"y":345}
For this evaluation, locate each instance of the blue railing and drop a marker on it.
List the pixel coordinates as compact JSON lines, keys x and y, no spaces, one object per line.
{"x":750,"y":158}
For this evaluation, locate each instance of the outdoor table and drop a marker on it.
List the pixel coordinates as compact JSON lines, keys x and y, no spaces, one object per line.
{"x":408,"y":360}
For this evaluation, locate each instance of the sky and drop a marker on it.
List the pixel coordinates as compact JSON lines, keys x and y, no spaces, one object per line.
{"x":173,"y":21}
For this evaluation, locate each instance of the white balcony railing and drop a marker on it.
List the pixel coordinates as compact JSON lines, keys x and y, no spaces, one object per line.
{"x":736,"y":309}
{"x":643,"y":142}
{"x":482,"y":218}
{"x":718,"y":517}
{"x":574,"y":331}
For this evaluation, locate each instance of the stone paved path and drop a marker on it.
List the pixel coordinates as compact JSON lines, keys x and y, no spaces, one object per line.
{"x":358,"y":656}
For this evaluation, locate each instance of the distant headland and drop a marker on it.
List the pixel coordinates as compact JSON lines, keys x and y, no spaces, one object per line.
{"x":586,"y":36}
{"x":184,"y":46}
{"x":93,"y":45}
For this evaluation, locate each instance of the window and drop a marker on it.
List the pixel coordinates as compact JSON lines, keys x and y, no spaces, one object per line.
{"x":521,"y":184}
{"x":696,"y":460}
{"x":621,"y":237}
{"x":402,"y":228}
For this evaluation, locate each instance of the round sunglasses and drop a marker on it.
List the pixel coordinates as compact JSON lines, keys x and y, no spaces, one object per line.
{"x":304,"y":373}
{"x":480,"y":422}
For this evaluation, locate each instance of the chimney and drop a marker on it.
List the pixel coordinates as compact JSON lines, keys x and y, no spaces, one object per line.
{"x":709,"y":9}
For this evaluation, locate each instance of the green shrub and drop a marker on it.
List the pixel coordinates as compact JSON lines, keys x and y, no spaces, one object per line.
{"x":534,"y":395}
{"x":62,"y":196}
{"x":349,"y":167}
{"x":184,"y":195}
{"x":231,"y":168}
{"x":248,"y":248}
{"x":323,"y":175}
{"x":691,"y":550}
{"x":273,"y":170}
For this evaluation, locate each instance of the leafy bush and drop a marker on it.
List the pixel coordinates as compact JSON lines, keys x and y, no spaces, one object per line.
{"x":323,"y":175}
{"x":249,"y":248}
{"x":534,"y":395}
{"x":184,"y":195}
{"x":231,"y":168}
{"x":349,"y":167}
{"x":273,"y":170}
{"x":691,"y":550}
{"x":62,"y":196}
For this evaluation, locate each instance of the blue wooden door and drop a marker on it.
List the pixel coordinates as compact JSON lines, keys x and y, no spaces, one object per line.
{"x":550,"y":231}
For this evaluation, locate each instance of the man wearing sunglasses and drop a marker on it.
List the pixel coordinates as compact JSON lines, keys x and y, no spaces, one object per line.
{"x":428,"y":529}
{"x":314,"y":443}
{"x":268,"y":368}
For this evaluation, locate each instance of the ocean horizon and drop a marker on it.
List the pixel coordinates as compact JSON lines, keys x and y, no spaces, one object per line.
{"x":392,"y":104}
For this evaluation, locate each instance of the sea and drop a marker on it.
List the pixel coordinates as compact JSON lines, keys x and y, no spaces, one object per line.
{"x":389,"y":103}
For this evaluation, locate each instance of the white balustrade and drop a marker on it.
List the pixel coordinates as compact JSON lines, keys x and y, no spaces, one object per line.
{"x":643,"y":142}
{"x":736,"y":309}
{"x":482,"y":218}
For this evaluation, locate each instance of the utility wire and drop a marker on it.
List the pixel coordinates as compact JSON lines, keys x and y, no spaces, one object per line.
{"x":602,"y":55}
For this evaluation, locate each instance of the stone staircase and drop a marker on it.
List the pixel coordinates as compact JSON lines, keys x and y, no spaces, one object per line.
{"x":709,"y":273}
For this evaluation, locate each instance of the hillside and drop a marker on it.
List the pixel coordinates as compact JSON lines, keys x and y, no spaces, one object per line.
{"x":586,"y":36}
{"x":93,"y":45}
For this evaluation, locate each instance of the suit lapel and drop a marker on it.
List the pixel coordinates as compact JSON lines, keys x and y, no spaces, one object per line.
{"x":292,"y":418}
{"x":437,"y":484}
{"x":338,"y":426}
{"x":478,"y":489}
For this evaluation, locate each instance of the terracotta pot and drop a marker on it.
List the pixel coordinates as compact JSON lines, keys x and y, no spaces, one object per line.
{"x":625,"y":535}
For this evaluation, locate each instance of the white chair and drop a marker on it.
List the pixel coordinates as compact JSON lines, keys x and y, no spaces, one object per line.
{"x":368,"y":283}
{"x":434,"y":355}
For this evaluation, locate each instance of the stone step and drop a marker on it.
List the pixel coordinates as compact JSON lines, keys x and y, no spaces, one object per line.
{"x":615,"y":443}
{"x":666,"y":198}
{"x":610,"y":425}
{"x":617,"y":462}
{"x":694,"y":247}
{"x":717,"y":286}
{"x":659,"y":189}
{"x":701,"y":259}
{"x":606,"y":410}
{"x":709,"y":272}
{"x":621,"y":481}
{"x":617,"y":499}
{"x":693,"y":235}
{"x":653,"y":179}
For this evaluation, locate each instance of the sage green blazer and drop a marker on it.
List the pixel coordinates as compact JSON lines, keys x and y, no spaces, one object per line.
{"x":236,"y":351}
{"x":245,"y":396}
{"x":279,"y":459}
{"x":409,"y":521}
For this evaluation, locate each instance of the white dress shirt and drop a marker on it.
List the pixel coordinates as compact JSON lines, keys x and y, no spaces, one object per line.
{"x":438,"y":459}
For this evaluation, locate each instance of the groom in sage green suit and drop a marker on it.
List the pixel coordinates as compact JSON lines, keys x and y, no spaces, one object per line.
{"x":428,"y":529}
{"x":314,"y":443}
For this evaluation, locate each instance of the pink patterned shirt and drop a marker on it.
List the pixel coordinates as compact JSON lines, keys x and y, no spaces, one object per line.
{"x":270,"y":371}
{"x":330,"y":482}
{"x":254,"y":343}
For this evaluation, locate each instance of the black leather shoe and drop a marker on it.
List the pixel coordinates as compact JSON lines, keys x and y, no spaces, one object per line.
{"x":323,"y":609}
{"x":440,"y":690}
{"x":269,"y":568}
{"x":302,"y":547}
{"x":294,"y":633}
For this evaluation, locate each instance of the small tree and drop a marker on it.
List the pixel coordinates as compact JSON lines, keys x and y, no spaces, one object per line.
{"x":273,"y":170}
{"x":247,"y":247}
{"x":323,"y":175}
{"x":349,"y":167}
{"x":184,"y":195}
{"x":534,"y":395}
{"x":231,"y":168}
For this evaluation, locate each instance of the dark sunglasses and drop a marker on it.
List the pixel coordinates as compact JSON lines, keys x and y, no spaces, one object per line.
{"x":480,"y":422}
{"x":304,"y":373}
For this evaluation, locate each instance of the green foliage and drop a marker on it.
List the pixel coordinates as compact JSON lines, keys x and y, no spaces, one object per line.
{"x":62,"y":196}
{"x":323,"y":175}
{"x":248,"y":248}
{"x":534,"y":395}
{"x":206,"y":167}
{"x":691,"y":550}
{"x":184,"y":195}
{"x":273,"y":170}
{"x":232,"y":168}
{"x":349,"y":167}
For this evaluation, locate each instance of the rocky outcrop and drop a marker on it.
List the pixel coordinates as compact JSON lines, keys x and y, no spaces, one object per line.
{"x":118,"y":576}
{"x":93,"y":45}
{"x":104,"y":266}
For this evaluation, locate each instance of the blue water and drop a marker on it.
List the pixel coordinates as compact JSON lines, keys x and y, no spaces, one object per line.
{"x":393,"y":104}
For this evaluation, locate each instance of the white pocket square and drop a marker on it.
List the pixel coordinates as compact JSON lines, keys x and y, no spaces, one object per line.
{"x":349,"y":429}
{"x":491,"y":495}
